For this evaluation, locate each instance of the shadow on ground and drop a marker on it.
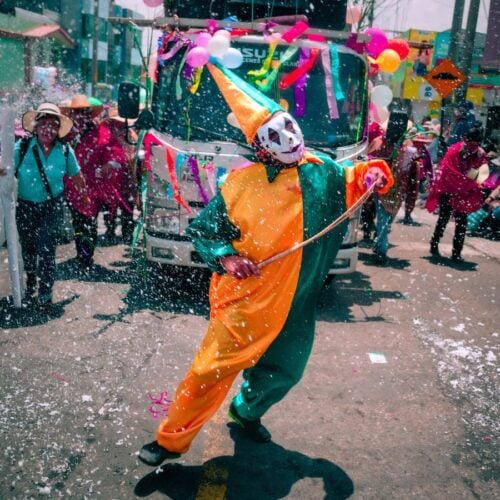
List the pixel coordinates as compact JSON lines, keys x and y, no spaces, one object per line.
{"x":340,"y":295}
{"x":30,"y":314}
{"x":263,"y":471}
{"x":153,"y":287}
{"x":445,"y":261}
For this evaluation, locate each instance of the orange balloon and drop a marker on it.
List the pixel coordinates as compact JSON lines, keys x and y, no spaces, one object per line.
{"x":388,"y":61}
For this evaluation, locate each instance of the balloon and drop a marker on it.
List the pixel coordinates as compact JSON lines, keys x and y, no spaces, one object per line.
{"x":378,"y":41}
{"x":153,"y":3}
{"x":202,"y":39}
{"x":353,"y":14}
{"x":388,"y":61}
{"x":223,"y":33}
{"x":197,"y":57}
{"x":400,"y":46}
{"x":381,"y":96}
{"x":383,"y":114}
{"x":217,"y":46}
{"x":232,"y":58}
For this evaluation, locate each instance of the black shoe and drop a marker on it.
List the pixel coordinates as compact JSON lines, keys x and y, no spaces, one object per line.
{"x":407,"y":220}
{"x":252,"y":428}
{"x":457,"y":258}
{"x":435,"y":250}
{"x":153,"y":454}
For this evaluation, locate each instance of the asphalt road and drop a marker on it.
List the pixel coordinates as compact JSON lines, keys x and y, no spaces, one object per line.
{"x":76,"y":385}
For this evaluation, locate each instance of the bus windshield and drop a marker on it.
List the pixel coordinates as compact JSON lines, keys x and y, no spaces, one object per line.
{"x":203,"y":115}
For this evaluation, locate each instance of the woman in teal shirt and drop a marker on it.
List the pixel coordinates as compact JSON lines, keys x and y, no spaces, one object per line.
{"x":41,"y":164}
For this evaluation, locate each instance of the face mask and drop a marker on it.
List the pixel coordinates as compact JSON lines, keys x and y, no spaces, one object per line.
{"x":282,"y":138}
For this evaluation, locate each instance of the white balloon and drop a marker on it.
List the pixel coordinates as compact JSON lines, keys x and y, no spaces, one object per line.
{"x":381,"y":96}
{"x":223,"y":33}
{"x":232,"y":58}
{"x":217,"y":46}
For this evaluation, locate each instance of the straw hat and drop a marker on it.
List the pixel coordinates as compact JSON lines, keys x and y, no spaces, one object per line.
{"x":80,"y":101}
{"x":30,"y":117}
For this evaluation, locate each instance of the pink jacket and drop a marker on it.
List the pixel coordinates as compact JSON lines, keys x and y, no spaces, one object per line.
{"x":95,"y":149}
{"x":465,"y":195}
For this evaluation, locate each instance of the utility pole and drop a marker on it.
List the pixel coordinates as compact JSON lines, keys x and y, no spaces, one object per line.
{"x":95,"y":47}
{"x":456,"y":29}
{"x":470,"y":36}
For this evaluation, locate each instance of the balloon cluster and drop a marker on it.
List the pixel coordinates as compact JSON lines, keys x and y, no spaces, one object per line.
{"x":217,"y":45}
{"x":386,"y":55}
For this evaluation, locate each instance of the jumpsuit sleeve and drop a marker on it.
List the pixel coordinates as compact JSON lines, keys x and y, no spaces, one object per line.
{"x":212,"y":233}
{"x":355,"y":177}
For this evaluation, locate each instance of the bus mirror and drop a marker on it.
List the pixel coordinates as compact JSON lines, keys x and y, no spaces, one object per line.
{"x":128,"y":100}
{"x":145,"y":121}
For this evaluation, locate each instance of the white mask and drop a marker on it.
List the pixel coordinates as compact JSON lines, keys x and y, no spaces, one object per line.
{"x":282,"y":138}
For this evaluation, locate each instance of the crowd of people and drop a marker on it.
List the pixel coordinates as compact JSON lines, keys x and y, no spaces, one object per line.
{"x":77,"y":154}
{"x":73,"y":155}
{"x":453,"y":174}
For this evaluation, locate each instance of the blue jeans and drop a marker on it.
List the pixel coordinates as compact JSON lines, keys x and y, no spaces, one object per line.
{"x":384,"y":221}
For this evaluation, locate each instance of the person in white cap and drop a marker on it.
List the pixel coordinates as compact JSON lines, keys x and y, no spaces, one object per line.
{"x":41,"y":162}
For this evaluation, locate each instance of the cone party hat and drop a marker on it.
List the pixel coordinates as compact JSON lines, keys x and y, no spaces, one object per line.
{"x":251,"y":107}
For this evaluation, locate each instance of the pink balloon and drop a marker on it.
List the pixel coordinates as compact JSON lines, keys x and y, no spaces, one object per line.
{"x":153,"y":3}
{"x":197,"y":57}
{"x":202,"y":39}
{"x":378,"y":41}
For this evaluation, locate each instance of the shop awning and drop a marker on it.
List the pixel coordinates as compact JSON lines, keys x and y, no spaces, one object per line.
{"x":21,"y":28}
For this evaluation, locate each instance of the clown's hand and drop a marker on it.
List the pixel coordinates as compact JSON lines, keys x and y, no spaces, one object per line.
{"x":375,"y":176}
{"x":239,"y":267}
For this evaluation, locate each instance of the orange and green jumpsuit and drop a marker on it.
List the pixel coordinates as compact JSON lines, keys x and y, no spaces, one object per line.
{"x":262,"y":325}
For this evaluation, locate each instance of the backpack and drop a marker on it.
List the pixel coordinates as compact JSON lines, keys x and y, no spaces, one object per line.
{"x":24,"y":143}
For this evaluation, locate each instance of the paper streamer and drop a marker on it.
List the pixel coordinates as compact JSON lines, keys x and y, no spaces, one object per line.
{"x":266,"y":84}
{"x":264,"y":70}
{"x":195,"y":172}
{"x":196,"y":80}
{"x":334,"y":58}
{"x":299,"y":90}
{"x":330,"y":95}
{"x":294,"y":75}
{"x":294,"y":33}
{"x":211,"y":179}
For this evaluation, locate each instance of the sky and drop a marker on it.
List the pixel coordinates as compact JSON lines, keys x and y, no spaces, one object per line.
{"x":393,"y":15}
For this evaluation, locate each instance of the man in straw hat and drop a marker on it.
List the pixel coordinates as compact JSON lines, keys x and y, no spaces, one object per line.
{"x":41,"y":162}
{"x":102,"y":160}
{"x":262,"y":317}
{"x":457,"y":190}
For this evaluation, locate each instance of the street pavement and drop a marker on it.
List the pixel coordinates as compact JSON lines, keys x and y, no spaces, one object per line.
{"x":399,"y":400}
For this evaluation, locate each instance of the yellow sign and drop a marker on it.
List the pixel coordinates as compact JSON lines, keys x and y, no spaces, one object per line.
{"x":417,"y":64}
{"x":445,"y":77}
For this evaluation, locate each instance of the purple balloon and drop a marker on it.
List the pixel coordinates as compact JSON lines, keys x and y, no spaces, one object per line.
{"x":197,"y":57}
{"x":378,"y":41}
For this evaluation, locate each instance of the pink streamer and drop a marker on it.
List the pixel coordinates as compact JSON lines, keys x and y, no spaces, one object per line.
{"x":212,"y":181}
{"x":178,"y":45}
{"x":159,"y":406}
{"x":330,"y":95}
{"x":293,"y":33}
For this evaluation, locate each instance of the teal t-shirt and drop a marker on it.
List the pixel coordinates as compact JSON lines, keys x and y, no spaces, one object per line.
{"x":30,"y":184}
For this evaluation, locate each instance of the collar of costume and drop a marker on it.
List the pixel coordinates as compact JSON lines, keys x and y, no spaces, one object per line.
{"x":273,"y":169}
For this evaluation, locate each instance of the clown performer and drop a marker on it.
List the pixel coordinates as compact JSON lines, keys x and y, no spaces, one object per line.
{"x":262,"y":318}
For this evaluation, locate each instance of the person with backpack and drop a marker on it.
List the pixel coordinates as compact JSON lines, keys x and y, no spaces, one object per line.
{"x":41,"y":162}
